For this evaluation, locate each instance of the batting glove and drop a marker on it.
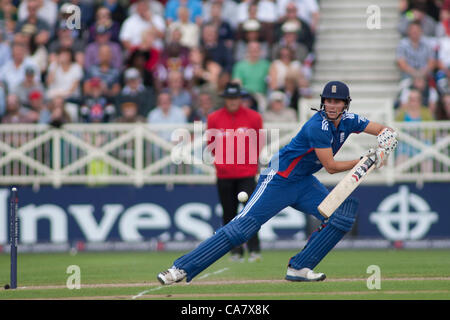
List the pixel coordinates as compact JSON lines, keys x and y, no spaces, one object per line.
{"x":380,"y":156}
{"x":387,"y":140}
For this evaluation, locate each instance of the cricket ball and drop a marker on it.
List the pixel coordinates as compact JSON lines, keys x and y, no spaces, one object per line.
{"x":242,"y":196}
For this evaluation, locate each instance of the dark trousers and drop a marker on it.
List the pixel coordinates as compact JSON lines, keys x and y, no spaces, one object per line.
{"x":228,"y":191}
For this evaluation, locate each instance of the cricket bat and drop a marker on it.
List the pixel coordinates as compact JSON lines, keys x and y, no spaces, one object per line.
{"x":346,"y":186}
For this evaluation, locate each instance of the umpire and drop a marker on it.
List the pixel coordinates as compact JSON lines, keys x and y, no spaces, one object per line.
{"x":236,"y":175}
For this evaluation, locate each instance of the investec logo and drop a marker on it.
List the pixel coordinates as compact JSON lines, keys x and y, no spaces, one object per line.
{"x":411,"y":220}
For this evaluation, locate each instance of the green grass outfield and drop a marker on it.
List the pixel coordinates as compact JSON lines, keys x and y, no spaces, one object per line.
{"x":405,"y":274}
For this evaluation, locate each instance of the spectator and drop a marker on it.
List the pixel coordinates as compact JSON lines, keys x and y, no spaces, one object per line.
{"x":65,"y":39}
{"x":45,"y":10}
{"x":203,"y":107}
{"x":166,"y":112}
{"x":307,"y":10}
{"x":133,"y":27}
{"x":289,"y":39}
{"x":417,"y":13}
{"x":28,"y":85}
{"x":194,"y":6}
{"x":39,"y":112}
{"x":215,"y":48}
{"x":179,"y":95}
{"x":414,"y":110}
{"x":15,"y":113}
{"x":175,"y":56}
{"x":295,"y":89}
{"x":8,"y":19}
{"x":443,"y":107}
{"x":64,"y":76}
{"x":156,"y":6}
{"x":429,"y":94}
{"x":251,"y":29}
{"x":300,"y":27}
{"x":105,"y":24}
{"x":129,"y":112}
{"x":34,"y":24}
{"x":38,"y":53}
{"x":277,"y":110}
{"x":202,"y":70}
{"x":190,"y":32}
{"x":414,"y":56}
{"x":103,"y":37}
{"x":223,"y":29}
{"x":96,"y":107}
{"x":87,"y":14}
{"x":134,"y":90}
{"x":227,"y":8}
{"x":118,"y":12}
{"x":443,"y":27}
{"x":13,"y":72}
{"x":140,"y":59}
{"x":251,"y":73}
{"x":443,"y":64}
{"x":279,"y":68}
{"x":58,"y":114}
{"x":105,"y":70}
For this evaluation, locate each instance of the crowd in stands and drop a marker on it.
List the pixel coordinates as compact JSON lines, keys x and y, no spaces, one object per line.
{"x":423,"y":57}
{"x":152,"y":61}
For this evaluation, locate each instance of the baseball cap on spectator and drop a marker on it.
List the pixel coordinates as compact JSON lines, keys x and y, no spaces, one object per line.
{"x":132,"y":73}
{"x":251,"y":25}
{"x":95,"y":82}
{"x":277,"y":96}
{"x":29,"y":70}
{"x":289,"y":26}
{"x":35,"y":94}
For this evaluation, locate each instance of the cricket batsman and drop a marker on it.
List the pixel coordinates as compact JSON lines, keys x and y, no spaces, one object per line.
{"x":289,"y":181}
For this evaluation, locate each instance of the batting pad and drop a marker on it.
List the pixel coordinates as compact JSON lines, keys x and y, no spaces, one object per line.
{"x":322,"y":241}
{"x":235,"y":233}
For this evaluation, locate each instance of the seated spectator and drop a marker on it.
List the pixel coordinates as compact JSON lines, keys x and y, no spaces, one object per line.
{"x":134,"y":90}
{"x":227,"y":8}
{"x":194,"y":6}
{"x":35,"y":22}
{"x":13,"y":72}
{"x":58,"y":114}
{"x":443,"y":64}
{"x":443,"y":27}
{"x":202,"y":70}
{"x":307,"y":10}
{"x":175,"y":56}
{"x":65,"y":39}
{"x":64,"y":76}
{"x":8,"y":19}
{"x":251,"y":73}
{"x":105,"y":71}
{"x":96,"y":107}
{"x":443,"y":107}
{"x":414,"y":56}
{"x":294,"y":90}
{"x":129,"y":112}
{"x":251,"y":33}
{"x":141,"y":59}
{"x":118,"y":12}
{"x":156,"y":6}
{"x":133,"y":27}
{"x":103,"y":37}
{"x":414,"y":110}
{"x":429,"y":94}
{"x":104,"y":23}
{"x":179,"y":95}
{"x":166,"y":112}
{"x":190,"y":32}
{"x":215,"y":48}
{"x":15,"y":113}
{"x":289,"y":38}
{"x":202,"y":108}
{"x":278,"y":111}
{"x":279,"y":68}
{"x":39,"y":112}
{"x":28,"y":85}
{"x":37,"y":53}
{"x":418,"y":14}
{"x":224,"y":32}
{"x":291,"y":21}
{"x":87,"y":14}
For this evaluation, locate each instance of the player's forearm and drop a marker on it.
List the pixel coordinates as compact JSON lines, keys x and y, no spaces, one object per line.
{"x":340,"y":166}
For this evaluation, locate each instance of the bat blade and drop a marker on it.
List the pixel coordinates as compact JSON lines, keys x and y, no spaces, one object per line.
{"x":346,"y":186}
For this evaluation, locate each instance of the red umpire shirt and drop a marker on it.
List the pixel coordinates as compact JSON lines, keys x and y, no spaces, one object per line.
{"x":235,"y":142}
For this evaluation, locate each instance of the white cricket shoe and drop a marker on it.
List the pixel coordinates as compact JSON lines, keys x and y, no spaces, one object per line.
{"x":254,"y":257}
{"x":171,"y":276}
{"x":304,"y":274}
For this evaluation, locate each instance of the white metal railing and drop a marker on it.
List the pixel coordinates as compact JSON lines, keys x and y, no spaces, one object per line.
{"x":141,"y":154}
